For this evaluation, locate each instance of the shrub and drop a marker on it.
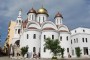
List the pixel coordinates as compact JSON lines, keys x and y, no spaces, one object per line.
{"x":24,"y":50}
{"x":78,"y":51}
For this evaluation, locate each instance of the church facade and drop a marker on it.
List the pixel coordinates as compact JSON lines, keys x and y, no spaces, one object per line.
{"x":36,"y":28}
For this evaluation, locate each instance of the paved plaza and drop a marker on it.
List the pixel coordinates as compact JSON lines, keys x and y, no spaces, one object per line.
{"x":7,"y":58}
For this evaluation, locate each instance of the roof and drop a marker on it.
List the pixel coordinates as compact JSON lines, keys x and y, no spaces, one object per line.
{"x":31,"y":11}
{"x":48,"y":28}
{"x":42,"y":11}
{"x":25,"y":23}
{"x":32,"y":28}
{"x":63,"y":31}
{"x":58,"y":15}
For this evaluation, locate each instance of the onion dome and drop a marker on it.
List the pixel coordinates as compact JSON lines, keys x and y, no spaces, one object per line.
{"x":58,"y":15}
{"x":42,"y":11}
{"x":31,"y":11}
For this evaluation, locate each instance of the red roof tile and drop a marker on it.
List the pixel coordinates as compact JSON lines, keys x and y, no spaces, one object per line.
{"x":48,"y":28}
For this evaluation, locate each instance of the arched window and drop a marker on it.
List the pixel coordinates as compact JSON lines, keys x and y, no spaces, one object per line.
{"x":71,"y":41}
{"x":52,"y":36}
{"x":67,"y":37}
{"x":44,"y":49}
{"x":83,"y":30}
{"x":32,"y":17}
{"x":61,"y":38}
{"x":27,"y":36}
{"x":34,"y":36}
{"x":19,"y":21}
{"x":57,"y":20}
{"x":34,"y":49}
{"x":44,"y":36}
{"x":18,"y":31}
{"x":43,"y":18}
{"x":39,"y":19}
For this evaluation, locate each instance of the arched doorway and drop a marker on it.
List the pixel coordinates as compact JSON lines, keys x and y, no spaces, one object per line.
{"x":17,"y":42}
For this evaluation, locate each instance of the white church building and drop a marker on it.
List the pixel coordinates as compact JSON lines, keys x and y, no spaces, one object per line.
{"x":33,"y":31}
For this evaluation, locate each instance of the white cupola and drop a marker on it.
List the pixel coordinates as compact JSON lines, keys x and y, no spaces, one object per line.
{"x":31,"y":15}
{"x":58,"y":19}
{"x":19,"y":18}
{"x":42,"y":15}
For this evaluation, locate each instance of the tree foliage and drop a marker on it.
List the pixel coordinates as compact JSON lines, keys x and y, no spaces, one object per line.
{"x":52,"y":45}
{"x":62,"y":52}
{"x":78,"y":51}
{"x":24,"y":50}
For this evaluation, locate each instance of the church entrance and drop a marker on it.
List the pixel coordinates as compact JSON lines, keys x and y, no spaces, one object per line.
{"x":85,"y":49}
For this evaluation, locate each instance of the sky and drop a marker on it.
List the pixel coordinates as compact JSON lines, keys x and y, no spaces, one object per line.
{"x":76,"y":13}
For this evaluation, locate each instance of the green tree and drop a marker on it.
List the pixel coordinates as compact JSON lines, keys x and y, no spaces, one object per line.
{"x":24,"y":50}
{"x":78,"y":51}
{"x":53,"y":46}
{"x":62,"y":52}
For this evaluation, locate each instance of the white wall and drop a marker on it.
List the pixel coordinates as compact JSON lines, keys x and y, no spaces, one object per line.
{"x":48,"y":33}
{"x":30,"y":41}
{"x":80,"y":34}
{"x":64,"y":43}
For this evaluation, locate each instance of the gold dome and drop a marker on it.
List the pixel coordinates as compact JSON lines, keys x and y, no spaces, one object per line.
{"x":42,"y":11}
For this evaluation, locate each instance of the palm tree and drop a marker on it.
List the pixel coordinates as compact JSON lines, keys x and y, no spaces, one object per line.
{"x":53,"y":46}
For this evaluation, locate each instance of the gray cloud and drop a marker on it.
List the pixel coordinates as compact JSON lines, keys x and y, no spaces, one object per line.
{"x":75,"y":12}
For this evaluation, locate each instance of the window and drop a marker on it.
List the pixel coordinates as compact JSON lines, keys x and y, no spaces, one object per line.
{"x":34,"y":49}
{"x":52,"y":36}
{"x":32,"y":17}
{"x":67,"y":37}
{"x":83,"y":39}
{"x":44,"y":49}
{"x":27,"y":36}
{"x":18,"y":31}
{"x":44,"y":36}
{"x":43,"y":18}
{"x":77,"y":40}
{"x":83,"y":30}
{"x":86,"y":40}
{"x":57,"y":20}
{"x":34,"y":36}
{"x":39,"y":19}
{"x":74,"y":41}
{"x":72,"y":52}
{"x":75,"y":31}
{"x":19,"y":21}
{"x":71,"y":41}
{"x":67,"y":49}
{"x":61,"y":38}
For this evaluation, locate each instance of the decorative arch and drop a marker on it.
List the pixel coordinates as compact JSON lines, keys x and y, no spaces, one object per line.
{"x":48,"y":24}
{"x":33,"y":25}
{"x":17,"y":42}
{"x":63,"y":28}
